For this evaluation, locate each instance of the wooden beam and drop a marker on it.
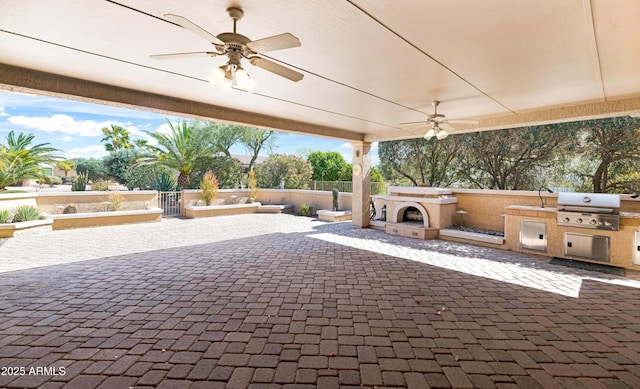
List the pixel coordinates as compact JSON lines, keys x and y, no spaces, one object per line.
{"x":24,"y":80}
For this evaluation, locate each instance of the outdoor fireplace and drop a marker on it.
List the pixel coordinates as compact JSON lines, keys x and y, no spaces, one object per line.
{"x":412,"y":215}
{"x":419,"y":212}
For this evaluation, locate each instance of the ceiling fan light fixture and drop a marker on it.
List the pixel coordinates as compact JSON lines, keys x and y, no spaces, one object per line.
{"x":442,"y":134}
{"x":244,"y":80}
{"x":430,"y":134}
{"x":217,"y":75}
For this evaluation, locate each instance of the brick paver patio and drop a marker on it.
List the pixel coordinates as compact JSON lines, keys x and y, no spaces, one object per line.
{"x":269,"y":301}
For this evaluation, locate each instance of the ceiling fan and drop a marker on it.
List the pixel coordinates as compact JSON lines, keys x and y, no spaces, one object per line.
{"x":236,"y":46}
{"x":439,"y":125}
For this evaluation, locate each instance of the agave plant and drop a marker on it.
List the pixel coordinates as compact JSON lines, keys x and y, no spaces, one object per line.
{"x":164,"y":183}
{"x":80,"y":184}
{"x":24,"y":213}
{"x":5,"y":216}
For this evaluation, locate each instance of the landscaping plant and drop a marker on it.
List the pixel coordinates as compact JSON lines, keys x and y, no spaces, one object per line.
{"x":252,"y":183}
{"x":209,"y":187}
{"x":335,"y":193}
{"x":305,"y":210}
{"x":115,"y":200}
{"x":100,"y":185}
{"x":25,"y":213}
{"x":5,"y":216}
{"x":80,"y":184}
{"x":165,"y":182}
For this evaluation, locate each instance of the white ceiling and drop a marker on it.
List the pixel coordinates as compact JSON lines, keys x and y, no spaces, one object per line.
{"x":368,"y":65}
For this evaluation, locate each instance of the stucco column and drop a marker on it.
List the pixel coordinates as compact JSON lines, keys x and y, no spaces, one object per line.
{"x":361,"y":184}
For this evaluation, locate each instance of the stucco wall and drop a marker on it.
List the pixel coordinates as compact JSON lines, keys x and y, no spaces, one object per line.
{"x":89,"y":201}
{"x":318,"y":200}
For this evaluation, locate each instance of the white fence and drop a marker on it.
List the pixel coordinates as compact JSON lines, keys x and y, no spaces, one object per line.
{"x":346,"y":186}
{"x":170,"y":202}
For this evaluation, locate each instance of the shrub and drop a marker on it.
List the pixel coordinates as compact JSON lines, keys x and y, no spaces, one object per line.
{"x":115,"y":200}
{"x":80,"y":184}
{"x":335,"y":193}
{"x":5,"y":216}
{"x":93,"y":168}
{"x":228,"y":171}
{"x":294,"y":171}
{"x":117,"y":162}
{"x":252,"y":183}
{"x":305,"y":210}
{"x":143,"y":176}
{"x":71,"y":208}
{"x":25,"y":213}
{"x":100,"y":185}
{"x":209,"y":187}
{"x":51,"y":180}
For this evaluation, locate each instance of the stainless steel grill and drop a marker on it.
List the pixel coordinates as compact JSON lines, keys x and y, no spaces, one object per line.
{"x":589,"y":210}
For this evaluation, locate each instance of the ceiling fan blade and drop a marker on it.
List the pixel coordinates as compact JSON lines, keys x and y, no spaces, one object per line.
{"x":191,"y":26}
{"x":422,"y":122}
{"x":184,"y":55}
{"x":278,"y":69}
{"x":445,"y":126}
{"x":462,"y":121}
{"x":273,"y":43}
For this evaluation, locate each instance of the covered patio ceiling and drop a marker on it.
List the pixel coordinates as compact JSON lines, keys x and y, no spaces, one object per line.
{"x":368,"y":65}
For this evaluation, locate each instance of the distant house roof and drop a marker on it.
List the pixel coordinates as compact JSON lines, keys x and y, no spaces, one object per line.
{"x":245,"y":159}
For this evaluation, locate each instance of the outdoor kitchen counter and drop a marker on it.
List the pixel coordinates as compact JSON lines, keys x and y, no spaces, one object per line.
{"x":621,"y":248}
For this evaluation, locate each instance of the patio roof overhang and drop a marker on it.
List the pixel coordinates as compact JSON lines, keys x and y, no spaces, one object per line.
{"x":367,"y":66}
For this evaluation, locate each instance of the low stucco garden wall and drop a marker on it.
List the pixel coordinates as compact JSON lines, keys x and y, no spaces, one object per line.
{"x":90,"y":201}
{"x":317,"y":200}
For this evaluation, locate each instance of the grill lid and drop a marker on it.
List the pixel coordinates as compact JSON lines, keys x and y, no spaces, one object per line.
{"x":595,"y":202}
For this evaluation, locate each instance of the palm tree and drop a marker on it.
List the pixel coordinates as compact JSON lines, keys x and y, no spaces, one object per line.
{"x":180,"y":149}
{"x":115,"y":138}
{"x":66,"y":166}
{"x":21,"y":161}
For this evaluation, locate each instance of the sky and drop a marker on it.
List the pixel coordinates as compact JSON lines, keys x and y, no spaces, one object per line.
{"x":75,"y":127}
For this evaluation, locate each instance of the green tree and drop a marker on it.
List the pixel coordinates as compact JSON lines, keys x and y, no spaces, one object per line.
{"x":180,"y":149}
{"x":93,"y":168}
{"x":19,"y":160}
{"x":514,"y":158}
{"x":418,"y":161}
{"x":143,"y":177}
{"x":255,"y":139}
{"x":376,"y":175}
{"x":294,"y":171}
{"x":115,"y":138}
{"x":224,"y":136}
{"x":329,"y":166}
{"x":117,"y":163}
{"x":228,"y":171}
{"x":66,"y":166}
{"x":140,"y":143}
{"x":613,"y":147}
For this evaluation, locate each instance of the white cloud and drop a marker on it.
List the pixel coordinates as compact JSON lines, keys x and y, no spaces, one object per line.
{"x":61,"y":123}
{"x":2,"y":112}
{"x":68,"y":125}
{"x":65,"y":138}
{"x":87,"y":152}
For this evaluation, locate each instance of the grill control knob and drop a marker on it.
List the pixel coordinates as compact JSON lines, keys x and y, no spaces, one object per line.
{"x":607,"y":223}
{"x":565,"y":220}
{"x":593,"y":222}
{"x":579,"y":220}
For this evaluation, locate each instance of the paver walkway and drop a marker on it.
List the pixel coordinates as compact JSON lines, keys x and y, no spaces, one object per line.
{"x":269,"y":301}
